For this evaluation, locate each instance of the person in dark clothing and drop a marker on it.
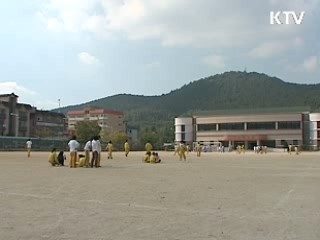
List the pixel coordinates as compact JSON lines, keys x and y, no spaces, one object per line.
{"x":61,"y":158}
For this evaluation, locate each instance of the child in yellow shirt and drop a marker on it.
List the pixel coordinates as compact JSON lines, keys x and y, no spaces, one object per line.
{"x":53,"y":158}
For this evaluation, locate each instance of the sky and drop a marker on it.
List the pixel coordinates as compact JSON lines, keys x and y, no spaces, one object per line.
{"x":81,"y":50}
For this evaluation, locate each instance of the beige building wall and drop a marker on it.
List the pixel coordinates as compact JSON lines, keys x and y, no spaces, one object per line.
{"x":246,"y":135}
{"x":110,"y":121}
{"x":249,"y":118}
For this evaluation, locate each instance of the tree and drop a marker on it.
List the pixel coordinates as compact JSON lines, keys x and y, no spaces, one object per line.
{"x":44,"y":133}
{"x":118,"y":139}
{"x":149,"y":136}
{"x":86,"y":130}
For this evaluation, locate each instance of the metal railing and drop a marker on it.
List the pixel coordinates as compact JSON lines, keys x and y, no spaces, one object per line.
{"x":38,"y":144}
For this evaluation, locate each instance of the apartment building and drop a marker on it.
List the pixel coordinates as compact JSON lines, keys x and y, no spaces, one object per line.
{"x":109,"y":120}
{"x":23,"y":120}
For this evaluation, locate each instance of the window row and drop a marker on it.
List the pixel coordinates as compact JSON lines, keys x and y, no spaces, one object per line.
{"x":250,"y":126}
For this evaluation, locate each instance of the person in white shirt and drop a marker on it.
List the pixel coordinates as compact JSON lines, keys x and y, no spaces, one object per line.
{"x":87,"y":149}
{"x":73,"y":146}
{"x":28,"y":145}
{"x":95,"y":151}
{"x":99,"y":151}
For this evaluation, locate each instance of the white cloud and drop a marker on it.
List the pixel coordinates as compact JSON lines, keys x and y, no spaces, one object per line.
{"x":46,"y":104}
{"x":88,"y":59}
{"x":205,"y":24}
{"x":53,"y":24}
{"x":275,"y":48}
{"x":268,"y":49}
{"x":311,"y":64}
{"x":27,"y":96}
{"x":152,"y":65}
{"x":13,"y":87}
{"x":215,"y":61}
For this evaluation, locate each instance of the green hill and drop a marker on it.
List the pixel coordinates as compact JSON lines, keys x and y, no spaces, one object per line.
{"x":230,"y":90}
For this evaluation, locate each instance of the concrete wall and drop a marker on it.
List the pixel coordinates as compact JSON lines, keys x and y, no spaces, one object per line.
{"x":188,"y":130}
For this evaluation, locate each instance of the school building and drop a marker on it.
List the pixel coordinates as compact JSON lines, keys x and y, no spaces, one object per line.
{"x":109,"y":120}
{"x":23,"y":120}
{"x":276,"y":129}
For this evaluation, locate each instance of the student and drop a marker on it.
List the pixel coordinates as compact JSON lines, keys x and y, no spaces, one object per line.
{"x":265,"y":149}
{"x":73,"y":146}
{"x":242,"y":149}
{"x":182,"y":152}
{"x":95,"y":152}
{"x":158,"y":160}
{"x":296,"y":150}
{"x":110,"y":149}
{"x":87,"y":149}
{"x":126,"y":148}
{"x":146,"y":158}
{"x":99,"y":151}
{"x":188,"y":148}
{"x":153,"y":158}
{"x":176,"y":150}
{"x":148,"y":147}
{"x":61,"y":158}
{"x":238,"y":149}
{"x":289,"y":149}
{"x":82,"y":160}
{"x":53,"y":160}
{"x":28,"y":146}
{"x":198,"y":149}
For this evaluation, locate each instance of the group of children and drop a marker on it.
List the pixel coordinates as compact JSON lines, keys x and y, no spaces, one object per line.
{"x":83,"y":160}
{"x":260,"y":149}
{"x":182,"y":149}
{"x":292,"y":148}
{"x":152,"y":157}
{"x":57,"y":160}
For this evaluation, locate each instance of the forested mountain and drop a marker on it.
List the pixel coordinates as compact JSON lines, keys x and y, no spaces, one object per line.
{"x":230,"y":90}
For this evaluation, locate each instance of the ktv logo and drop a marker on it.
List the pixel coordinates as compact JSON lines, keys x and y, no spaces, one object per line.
{"x":286,"y":17}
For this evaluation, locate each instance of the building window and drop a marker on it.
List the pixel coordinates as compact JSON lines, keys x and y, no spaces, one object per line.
{"x":261,"y":125}
{"x":268,"y":143}
{"x":183,"y":136}
{"x":183,"y":128}
{"x":206,"y":127}
{"x":231,"y":126}
{"x":289,"y":125}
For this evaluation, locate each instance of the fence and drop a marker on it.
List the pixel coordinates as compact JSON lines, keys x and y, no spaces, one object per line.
{"x":38,"y":144}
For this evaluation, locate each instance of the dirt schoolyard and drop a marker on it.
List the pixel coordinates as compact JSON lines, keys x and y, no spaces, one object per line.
{"x":218,"y":196}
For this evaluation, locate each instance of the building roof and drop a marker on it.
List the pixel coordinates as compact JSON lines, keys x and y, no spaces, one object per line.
{"x":9,"y":95}
{"x":95,"y":111}
{"x":230,"y":112}
{"x":51,"y":113}
{"x":27,"y":106}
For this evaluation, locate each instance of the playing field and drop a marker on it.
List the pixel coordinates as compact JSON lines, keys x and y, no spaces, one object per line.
{"x":219,"y":196}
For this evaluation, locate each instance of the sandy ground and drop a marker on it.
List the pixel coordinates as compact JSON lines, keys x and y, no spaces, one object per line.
{"x":219,"y":196}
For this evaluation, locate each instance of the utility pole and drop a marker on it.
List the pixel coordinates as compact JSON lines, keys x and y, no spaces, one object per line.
{"x":59,"y":105}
